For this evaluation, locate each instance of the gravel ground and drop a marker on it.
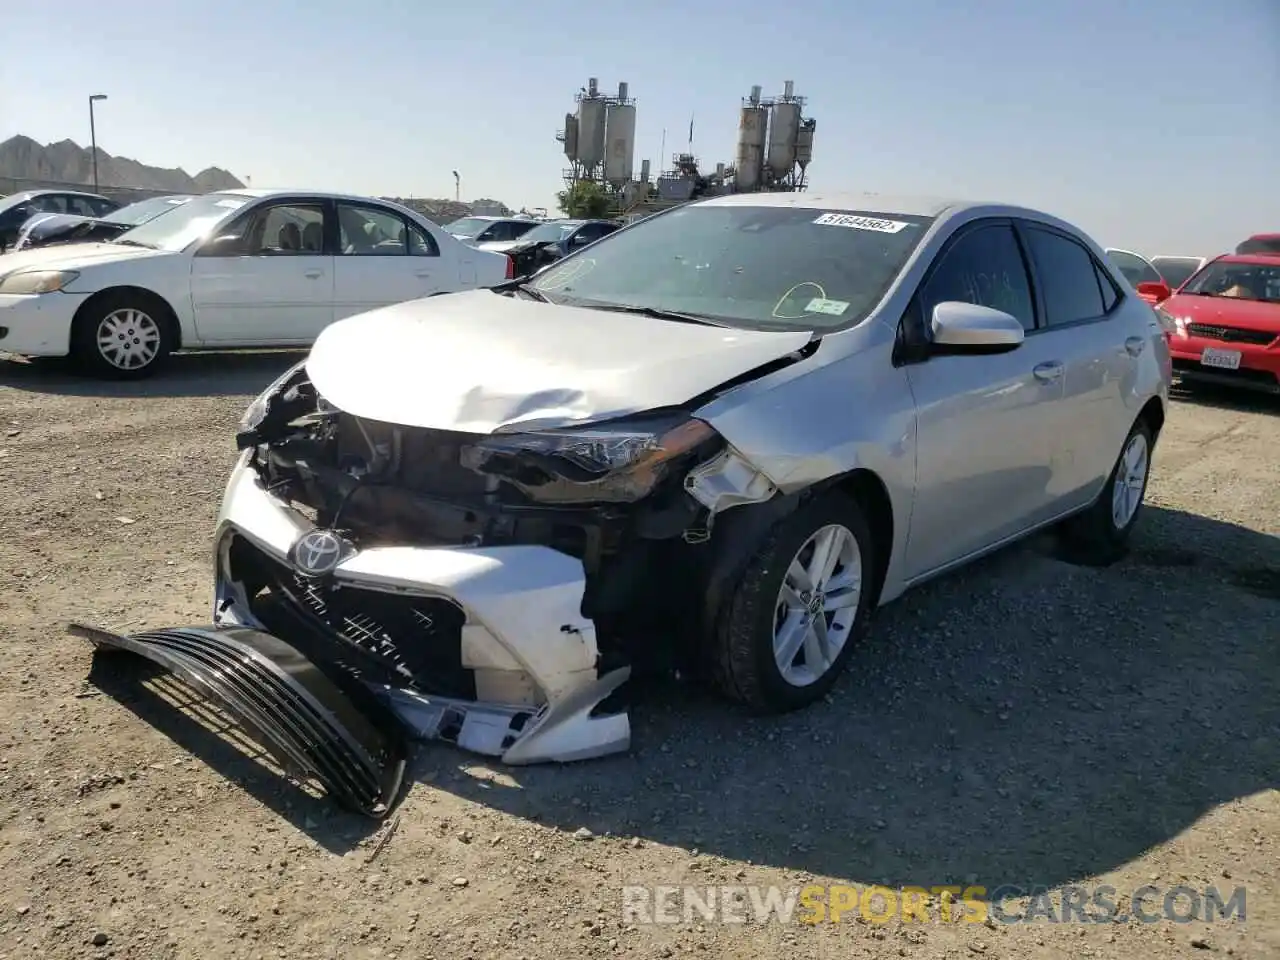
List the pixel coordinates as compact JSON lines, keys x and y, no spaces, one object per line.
{"x":1023,"y":722}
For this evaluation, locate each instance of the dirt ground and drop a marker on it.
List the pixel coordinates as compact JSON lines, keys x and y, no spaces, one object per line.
{"x":1024,"y":722}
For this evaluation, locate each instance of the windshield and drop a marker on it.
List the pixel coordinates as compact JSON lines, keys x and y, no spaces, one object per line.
{"x":467,"y":226}
{"x":552,"y":232}
{"x":1176,"y":270}
{"x":144,"y":210}
{"x":184,"y":224}
{"x":1260,"y":245}
{"x":751,"y":267}
{"x":1244,"y":281}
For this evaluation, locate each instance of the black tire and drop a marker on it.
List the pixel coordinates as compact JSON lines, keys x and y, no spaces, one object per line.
{"x":152,"y":326}
{"x":742,"y":662}
{"x":1094,"y":537}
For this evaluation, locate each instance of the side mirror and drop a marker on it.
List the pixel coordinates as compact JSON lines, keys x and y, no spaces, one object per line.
{"x":1154,"y":291}
{"x":960,"y":327}
{"x":227,"y":245}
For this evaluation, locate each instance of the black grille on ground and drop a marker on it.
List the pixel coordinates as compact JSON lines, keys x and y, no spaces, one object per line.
{"x":1230,"y":334}
{"x":340,"y":735}
{"x":413,"y":642}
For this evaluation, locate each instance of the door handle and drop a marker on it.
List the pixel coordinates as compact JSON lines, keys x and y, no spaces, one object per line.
{"x":312,"y":274}
{"x":1048,"y":372}
{"x":423,"y":273}
{"x":1134,"y":345}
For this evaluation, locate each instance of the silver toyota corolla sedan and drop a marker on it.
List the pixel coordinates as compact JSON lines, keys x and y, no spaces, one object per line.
{"x":722,"y":435}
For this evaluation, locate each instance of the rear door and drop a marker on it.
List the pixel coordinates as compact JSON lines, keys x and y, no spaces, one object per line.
{"x":383,"y":258}
{"x":985,"y":424}
{"x":273,"y":284}
{"x":1100,"y":354}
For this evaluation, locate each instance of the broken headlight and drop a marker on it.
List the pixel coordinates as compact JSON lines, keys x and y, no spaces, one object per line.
{"x":622,"y":461}
{"x":257,"y":410}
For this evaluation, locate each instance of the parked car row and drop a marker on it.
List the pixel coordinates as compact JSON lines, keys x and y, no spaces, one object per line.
{"x":17,"y":208}
{"x":46,"y":229}
{"x":239,"y":268}
{"x":1221,"y":314}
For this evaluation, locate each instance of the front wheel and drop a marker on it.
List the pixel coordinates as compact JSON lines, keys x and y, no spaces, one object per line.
{"x":121,"y":338}
{"x":793,"y":620}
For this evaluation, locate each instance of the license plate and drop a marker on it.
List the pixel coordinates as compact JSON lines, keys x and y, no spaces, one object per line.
{"x":1222,"y":359}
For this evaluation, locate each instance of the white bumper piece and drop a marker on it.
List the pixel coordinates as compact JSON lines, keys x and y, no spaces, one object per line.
{"x":531,"y":652}
{"x":37,"y":326}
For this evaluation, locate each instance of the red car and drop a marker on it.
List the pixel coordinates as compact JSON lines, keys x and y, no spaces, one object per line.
{"x":1260,"y":243}
{"x":1224,"y":323}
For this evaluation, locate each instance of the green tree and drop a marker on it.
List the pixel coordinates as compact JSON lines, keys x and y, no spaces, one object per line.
{"x":585,"y":199}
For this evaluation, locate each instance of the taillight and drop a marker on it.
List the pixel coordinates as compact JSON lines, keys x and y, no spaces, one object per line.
{"x":511,"y":267}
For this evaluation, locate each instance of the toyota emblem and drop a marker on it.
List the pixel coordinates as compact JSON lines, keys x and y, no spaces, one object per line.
{"x":317,"y":553}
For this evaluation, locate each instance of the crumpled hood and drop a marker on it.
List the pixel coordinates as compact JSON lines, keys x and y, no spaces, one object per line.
{"x":477,"y":361}
{"x":72,"y":257}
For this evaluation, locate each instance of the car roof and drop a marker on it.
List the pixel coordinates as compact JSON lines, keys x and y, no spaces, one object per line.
{"x":1176,"y":256}
{"x":30,"y":194}
{"x":1127,"y":252}
{"x":911,"y":205}
{"x":1253,"y":259}
{"x":260,"y":193}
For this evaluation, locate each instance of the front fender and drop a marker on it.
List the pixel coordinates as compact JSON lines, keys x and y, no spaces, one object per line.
{"x":845,"y":408}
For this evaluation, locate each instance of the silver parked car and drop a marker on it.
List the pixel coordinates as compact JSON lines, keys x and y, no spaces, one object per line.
{"x":728,"y":434}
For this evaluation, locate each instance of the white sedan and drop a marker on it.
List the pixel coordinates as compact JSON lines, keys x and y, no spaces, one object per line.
{"x":242,"y":268}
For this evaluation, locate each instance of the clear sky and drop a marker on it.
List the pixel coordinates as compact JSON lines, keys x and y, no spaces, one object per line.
{"x":1153,"y":124}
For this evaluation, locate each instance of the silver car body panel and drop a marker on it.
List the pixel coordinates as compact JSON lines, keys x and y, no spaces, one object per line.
{"x":971,"y":451}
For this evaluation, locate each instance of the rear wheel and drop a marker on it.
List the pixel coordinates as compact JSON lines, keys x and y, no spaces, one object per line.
{"x":123,"y":337}
{"x":1101,"y":533}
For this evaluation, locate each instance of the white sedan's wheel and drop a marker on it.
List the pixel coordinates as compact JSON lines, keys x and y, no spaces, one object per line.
{"x":1130,"y":480}
{"x":124,"y":335}
{"x":128,"y":339}
{"x":817,"y":605}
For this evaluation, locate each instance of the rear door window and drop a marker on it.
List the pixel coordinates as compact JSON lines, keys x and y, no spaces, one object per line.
{"x":1068,"y":276}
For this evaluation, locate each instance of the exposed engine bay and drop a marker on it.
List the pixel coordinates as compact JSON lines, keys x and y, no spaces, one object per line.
{"x":620,"y":506}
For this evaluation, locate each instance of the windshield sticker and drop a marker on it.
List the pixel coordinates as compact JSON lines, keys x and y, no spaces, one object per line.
{"x":821,"y":305}
{"x":861,"y":223}
{"x":230,"y":204}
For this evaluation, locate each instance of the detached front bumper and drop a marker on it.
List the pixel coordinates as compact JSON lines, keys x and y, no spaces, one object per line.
{"x":332,"y":674}
{"x":518,"y":663}
{"x":37,"y":326}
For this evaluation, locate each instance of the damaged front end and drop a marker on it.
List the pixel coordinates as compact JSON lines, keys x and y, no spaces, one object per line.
{"x":491,"y":590}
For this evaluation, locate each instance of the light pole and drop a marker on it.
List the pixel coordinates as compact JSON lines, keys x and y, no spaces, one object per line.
{"x":457,"y":186}
{"x":93,"y":137}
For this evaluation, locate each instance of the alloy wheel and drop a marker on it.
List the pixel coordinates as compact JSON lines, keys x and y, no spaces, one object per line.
{"x":817,"y":605}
